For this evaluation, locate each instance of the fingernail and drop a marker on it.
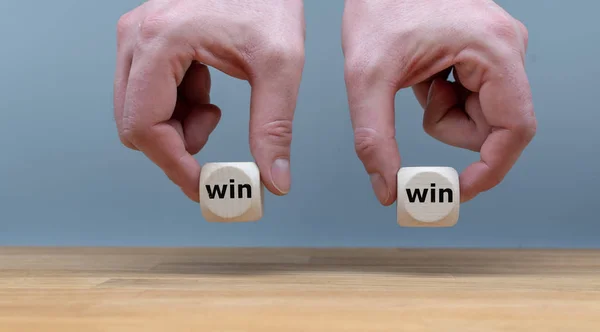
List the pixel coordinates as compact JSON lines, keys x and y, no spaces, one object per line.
{"x":280,"y":175}
{"x":380,"y":188}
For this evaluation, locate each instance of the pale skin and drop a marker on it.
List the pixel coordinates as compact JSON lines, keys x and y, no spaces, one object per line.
{"x":162,"y":83}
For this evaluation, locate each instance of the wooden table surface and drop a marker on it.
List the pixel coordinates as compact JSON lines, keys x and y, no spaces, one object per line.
{"x":294,"y":289}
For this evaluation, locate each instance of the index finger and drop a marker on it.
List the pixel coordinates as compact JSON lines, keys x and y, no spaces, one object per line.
{"x":508,"y":107}
{"x":149,"y":104}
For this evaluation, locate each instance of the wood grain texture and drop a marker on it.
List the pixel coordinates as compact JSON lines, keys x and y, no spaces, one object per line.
{"x":297,"y":289}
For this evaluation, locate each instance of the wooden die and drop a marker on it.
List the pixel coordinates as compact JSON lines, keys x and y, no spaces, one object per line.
{"x":231,"y":192}
{"x":428,"y":197}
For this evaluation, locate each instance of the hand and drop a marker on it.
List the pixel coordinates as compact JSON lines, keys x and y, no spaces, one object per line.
{"x":162,"y":84}
{"x":393,"y":44}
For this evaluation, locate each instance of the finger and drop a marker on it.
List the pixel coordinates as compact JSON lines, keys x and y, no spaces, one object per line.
{"x":194,"y":124}
{"x":272,"y":107}
{"x":198,"y":117}
{"x":421,"y":90}
{"x":150,"y":101}
{"x":200,"y":122}
{"x":451,"y":121}
{"x":193,"y":92}
{"x":507,"y":105}
{"x":127,"y":27}
{"x":196,"y":84}
{"x":373,"y":120}
{"x":123,"y":66}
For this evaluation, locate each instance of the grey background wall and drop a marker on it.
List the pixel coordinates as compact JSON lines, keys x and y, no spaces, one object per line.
{"x":66,"y":180}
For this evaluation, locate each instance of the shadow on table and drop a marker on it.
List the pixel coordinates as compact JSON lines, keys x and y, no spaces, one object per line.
{"x":433,"y":262}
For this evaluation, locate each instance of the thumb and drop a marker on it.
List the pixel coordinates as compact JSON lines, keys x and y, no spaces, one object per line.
{"x":371,"y":106}
{"x":272,"y":107}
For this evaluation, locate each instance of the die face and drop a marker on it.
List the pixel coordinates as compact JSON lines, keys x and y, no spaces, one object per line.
{"x":428,"y":197}
{"x":231,"y":192}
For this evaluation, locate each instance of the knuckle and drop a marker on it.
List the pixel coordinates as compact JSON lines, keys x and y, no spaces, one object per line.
{"x":285,"y":56}
{"x":275,"y":133}
{"x":524,"y":34}
{"x":365,"y":142}
{"x":501,"y":27}
{"x":127,"y":135}
{"x":130,"y":132}
{"x":152,"y":27}
{"x":126,"y":142}
{"x":524,"y":31}
{"x":362,"y":70}
{"x":291,"y":54}
{"x":277,"y":56}
{"x":526,"y":130}
{"x":124,"y":24}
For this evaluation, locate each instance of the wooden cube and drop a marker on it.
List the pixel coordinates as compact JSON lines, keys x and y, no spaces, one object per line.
{"x":231,"y":192}
{"x":428,"y":197}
